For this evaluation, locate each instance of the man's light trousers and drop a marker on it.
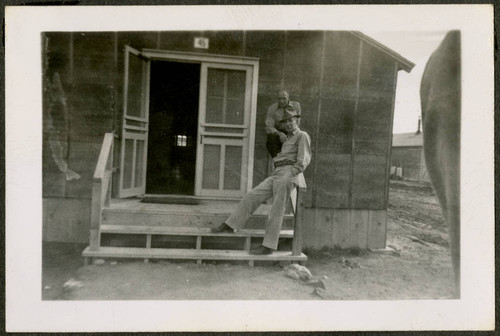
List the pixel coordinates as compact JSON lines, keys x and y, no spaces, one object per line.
{"x":279,"y":186}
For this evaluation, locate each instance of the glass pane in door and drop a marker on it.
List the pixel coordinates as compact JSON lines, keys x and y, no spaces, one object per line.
{"x":232,"y":168}
{"x":134,"y":88}
{"x":211,"y":160}
{"x":235,"y":97}
{"x":127,"y":164}
{"x":225,"y":96}
{"x":139,"y":163}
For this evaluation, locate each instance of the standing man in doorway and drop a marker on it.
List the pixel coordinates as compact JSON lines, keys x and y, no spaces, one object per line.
{"x":276,"y":134}
{"x":291,"y":161}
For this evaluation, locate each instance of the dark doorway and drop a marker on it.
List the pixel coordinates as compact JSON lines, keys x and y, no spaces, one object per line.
{"x":173,"y":126}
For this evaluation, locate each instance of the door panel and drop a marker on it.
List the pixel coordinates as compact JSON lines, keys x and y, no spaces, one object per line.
{"x":135,"y":124}
{"x":211,"y":168}
{"x":232,"y":167}
{"x":223,"y":169}
{"x":225,"y":94}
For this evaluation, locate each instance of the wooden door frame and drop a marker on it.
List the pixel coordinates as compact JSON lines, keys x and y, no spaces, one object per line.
{"x":190,"y":57}
{"x":205,"y":137}
{"x":146,"y":67}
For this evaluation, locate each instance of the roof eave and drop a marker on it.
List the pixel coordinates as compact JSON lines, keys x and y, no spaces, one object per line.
{"x":403,"y":63}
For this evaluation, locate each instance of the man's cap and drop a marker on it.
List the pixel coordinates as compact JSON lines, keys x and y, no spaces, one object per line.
{"x":289,"y":112}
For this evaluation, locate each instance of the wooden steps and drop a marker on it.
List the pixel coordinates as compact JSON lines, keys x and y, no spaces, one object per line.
{"x":197,"y":252}
{"x":167,"y":228}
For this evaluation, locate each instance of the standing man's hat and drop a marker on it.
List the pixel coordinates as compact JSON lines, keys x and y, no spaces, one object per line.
{"x":289,"y":112}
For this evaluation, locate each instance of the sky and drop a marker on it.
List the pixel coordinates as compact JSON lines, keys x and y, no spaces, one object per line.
{"x":416,"y":46}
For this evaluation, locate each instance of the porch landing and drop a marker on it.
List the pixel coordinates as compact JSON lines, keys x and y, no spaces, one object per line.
{"x":205,"y":206}
{"x":206,"y":214}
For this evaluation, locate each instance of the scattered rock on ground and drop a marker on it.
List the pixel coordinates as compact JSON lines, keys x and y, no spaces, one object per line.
{"x":72,"y":283}
{"x":298,"y":272}
{"x":316,"y":283}
{"x":324,"y":294}
{"x":349,"y":264}
{"x":99,"y":262}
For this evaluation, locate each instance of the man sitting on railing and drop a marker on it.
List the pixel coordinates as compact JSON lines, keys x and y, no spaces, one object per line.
{"x":293,"y":159}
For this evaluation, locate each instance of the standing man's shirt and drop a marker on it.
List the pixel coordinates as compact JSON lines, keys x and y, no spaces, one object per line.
{"x":276,"y":113}
{"x":296,"y":151}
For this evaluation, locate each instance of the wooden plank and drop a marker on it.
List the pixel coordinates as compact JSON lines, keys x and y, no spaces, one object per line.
{"x":298,"y":237}
{"x":308,"y":229}
{"x":389,"y":145}
{"x":95,"y":215}
{"x":148,"y":245}
{"x":102,"y":161}
{"x":198,"y":247}
{"x":66,"y":220}
{"x":323,"y":227}
{"x":186,"y":231}
{"x":332,"y":185}
{"x":293,"y":199}
{"x":341,"y":219}
{"x":248,"y":243}
{"x":158,"y":253}
{"x":318,"y":116}
{"x":377,"y":229}
{"x":368,"y":182}
{"x":358,"y":229}
{"x":356,"y":106}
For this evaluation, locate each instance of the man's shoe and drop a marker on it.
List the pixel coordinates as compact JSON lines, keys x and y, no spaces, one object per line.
{"x":261,"y":250}
{"x":223,"y":228}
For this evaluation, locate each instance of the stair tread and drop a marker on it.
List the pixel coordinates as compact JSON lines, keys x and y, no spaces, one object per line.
{"x":219,"y":213}
{"x":206,"y":254}
{"x":186,"y":231}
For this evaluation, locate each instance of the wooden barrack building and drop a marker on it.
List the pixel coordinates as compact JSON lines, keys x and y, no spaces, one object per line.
{"x":179,"y":116}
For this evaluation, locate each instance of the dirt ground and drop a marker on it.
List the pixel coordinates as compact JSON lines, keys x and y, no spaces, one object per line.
{"x":418,"y":268}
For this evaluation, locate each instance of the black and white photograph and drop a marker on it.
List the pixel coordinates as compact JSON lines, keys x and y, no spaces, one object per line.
{"x":203,"y":168}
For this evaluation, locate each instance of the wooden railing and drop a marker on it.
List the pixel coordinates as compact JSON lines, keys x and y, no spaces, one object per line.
{"x":297,"y":197}
{"x":101,"y":189}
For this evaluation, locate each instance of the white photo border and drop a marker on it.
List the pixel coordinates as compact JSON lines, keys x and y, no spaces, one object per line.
{"x":25,"y":311}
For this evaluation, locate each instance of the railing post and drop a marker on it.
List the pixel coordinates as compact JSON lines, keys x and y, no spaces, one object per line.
{"x":298,"y":228}
{"x":96,"y":215}
{"x":101,"y":190}
{"x":299,"y":216}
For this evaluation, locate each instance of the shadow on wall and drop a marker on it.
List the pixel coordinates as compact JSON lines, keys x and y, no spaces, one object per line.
{"x":57,"y":138}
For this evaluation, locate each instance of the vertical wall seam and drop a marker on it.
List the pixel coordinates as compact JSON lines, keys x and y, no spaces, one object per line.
{"x":244,"y":43}
{"x":389,"y":145}
{"x":368,"y":227}
{"x":116,"y":92}
{"x":68,"y":102}
{"x":318,"y":120}
{"x":116,"y":82}
{"x":353,"y":145}
{"x":282,"y":84}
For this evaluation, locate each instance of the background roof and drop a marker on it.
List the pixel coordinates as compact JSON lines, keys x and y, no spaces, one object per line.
{"x":407,"y":139}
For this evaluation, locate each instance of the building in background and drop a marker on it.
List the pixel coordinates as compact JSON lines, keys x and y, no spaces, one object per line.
{"x":407,"y":157}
